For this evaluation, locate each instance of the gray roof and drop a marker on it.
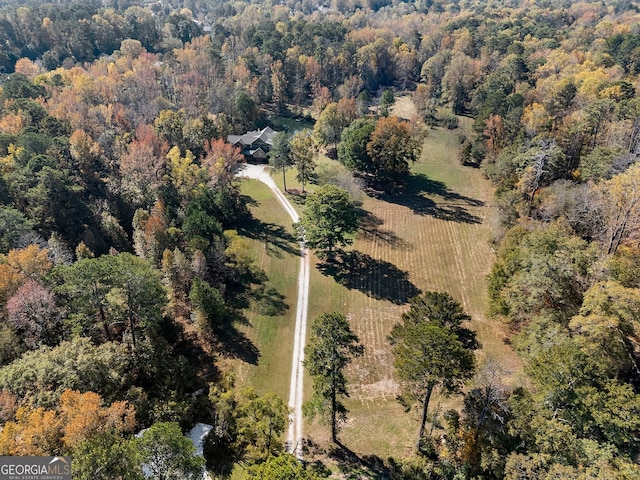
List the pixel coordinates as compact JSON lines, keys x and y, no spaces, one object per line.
{"x":249,"y":138}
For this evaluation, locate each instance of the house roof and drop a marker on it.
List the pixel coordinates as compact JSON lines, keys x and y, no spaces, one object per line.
{"x":265,"y":135}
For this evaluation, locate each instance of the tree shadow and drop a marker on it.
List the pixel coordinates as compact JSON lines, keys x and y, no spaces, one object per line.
{"x":453,"y":206}
{"x":374,"y":277}
{"x":353,"y":465}
{"x":369,"y":229}
{"x":269,"y":301}
{"x":276,"y":238}
{"x":235,"y":344}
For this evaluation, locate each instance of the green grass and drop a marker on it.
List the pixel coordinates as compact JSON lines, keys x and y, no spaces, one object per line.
{"x":434,"y":236}
{"x":278,"y":256}
{"x":290,"y":124}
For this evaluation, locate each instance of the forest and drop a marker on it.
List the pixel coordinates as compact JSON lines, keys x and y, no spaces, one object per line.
{"x":125,"y":269}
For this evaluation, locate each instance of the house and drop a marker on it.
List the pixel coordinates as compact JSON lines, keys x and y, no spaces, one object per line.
{"x":255,"y":144}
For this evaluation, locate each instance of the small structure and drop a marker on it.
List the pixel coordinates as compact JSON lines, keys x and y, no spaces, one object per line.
{"x":255,"y":144}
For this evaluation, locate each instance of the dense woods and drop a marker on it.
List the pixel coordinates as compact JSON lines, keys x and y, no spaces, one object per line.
{"x":122,"y":272}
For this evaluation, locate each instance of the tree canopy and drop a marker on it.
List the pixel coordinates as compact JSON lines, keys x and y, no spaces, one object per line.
{"x":329,"y":221}
{"x":331,"y":348}
{"x":432,"y":349}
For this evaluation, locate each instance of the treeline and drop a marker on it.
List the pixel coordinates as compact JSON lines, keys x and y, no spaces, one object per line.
{"x":121,"y":266}
{"x":80,"y":32}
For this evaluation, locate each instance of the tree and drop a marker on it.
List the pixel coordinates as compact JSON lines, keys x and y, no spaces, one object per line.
{"x":606,"y":325}
{"x":78,"y":418}
{"x":330,"y":219}
{"x":574,"y":416}
{"x":105,"y":456}
{"x":432,"y":349}
{"x":143,"y":164}
{"x":303,"y":154}
{"x":260,"y":421}
{"x":391,"y":147}
{"x":280,"y":154}
{"x":282,"y":467}
{"x":114,"y":290}
{"x":247,"y":427}
{"x":331,"y":348}
{"x":221,"y":159}
{"x":621,"y":200}
{"x":13,"y":226}
{"x":332,"y":121}
{"x":40,"y":377}
{"x":33,"y":313}
{"x":386,"y":102}
{"x":208,"y":304}
{"x":352,"y":149}
{"x":168,"y":455}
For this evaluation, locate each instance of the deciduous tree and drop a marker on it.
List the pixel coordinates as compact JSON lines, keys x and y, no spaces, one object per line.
{"x":392,"y":146}
{"x":352,"y":150}
{"x":33,"y":313}
{"x":303,"y":154}
{"x":621,"y":199}
{"x":282,"y":467}
{"x":168,"y":455}
{"x":221,"y":159}
{"x":329,"y":221}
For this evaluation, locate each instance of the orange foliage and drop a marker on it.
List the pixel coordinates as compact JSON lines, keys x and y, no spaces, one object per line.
{"x":32,"y":261}
{"x":28,"y":68}
{"x":83,"y":415}
{"x":35,"y":432}
{"x":221,"y":159}
{"x":51,"y":432}
{"x":10,"y":280}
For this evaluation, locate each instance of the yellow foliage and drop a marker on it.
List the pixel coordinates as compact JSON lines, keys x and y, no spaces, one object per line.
{"x":186,"y":175}
{"x":11,"y":123}
{"x":83,"y":415}
{"x":50,"y":432}
{"x":7,"y":163}
{"x":31,"y":261}
{"x":590,"y":79}
{"x":35,"y":432}
{"x":614,"y":92}
{"x":535,"y":117}
{"x":10,"y":281}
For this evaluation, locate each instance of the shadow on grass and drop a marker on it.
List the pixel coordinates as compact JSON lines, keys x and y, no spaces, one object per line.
{"x":235,"y":344}
{"x":276,"y":238}
{"x":353,"y":465}
{"x":453,"y":206}
{"x":369,"y":229}
{"x":269,"y":301}
{"x":376,"y":278}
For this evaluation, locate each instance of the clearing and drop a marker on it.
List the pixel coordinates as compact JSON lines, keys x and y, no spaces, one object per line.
{"x":434,"y":236}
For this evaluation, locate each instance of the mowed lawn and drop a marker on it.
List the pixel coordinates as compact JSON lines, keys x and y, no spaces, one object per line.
{"x":433,"y":236}
{"x":271,"y":321}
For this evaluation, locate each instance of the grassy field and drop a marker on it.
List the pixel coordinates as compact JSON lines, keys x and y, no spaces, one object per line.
{"x":433,"y":236}
{"x":272,"y":319}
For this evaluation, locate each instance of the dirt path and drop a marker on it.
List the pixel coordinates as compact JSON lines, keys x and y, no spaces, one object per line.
{"x":294,"y":435}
